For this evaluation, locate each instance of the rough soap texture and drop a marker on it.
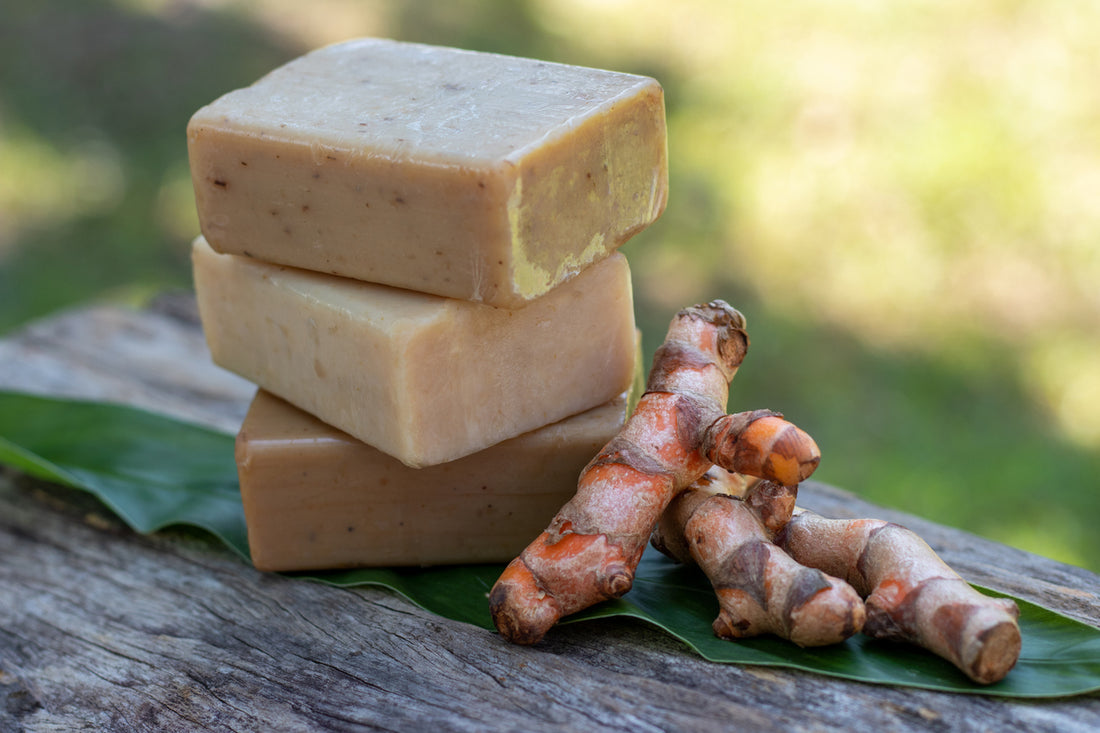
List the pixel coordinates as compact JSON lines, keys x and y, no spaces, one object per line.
{"x":423,"y":378}
{"x":316,"y":498}
{"x":469,"y":175}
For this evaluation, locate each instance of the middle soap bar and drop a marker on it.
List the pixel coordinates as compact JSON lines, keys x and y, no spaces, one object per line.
{"x":423,"y":378}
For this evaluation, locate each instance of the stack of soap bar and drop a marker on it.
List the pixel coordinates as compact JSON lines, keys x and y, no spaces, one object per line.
{"x":468,"y":175}
{"x":416,"y":246}
{"x":317,"y":498}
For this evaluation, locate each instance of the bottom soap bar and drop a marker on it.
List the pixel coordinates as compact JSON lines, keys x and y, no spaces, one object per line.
{"x":316,"y":498}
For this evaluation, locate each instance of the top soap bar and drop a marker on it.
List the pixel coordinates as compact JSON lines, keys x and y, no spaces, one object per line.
{"x":469,"y":175}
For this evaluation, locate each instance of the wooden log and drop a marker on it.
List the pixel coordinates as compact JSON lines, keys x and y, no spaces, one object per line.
{"x":105,"y":629}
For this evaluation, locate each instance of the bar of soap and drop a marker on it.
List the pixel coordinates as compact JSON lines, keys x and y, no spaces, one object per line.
{"x":316,"y":498}
{"x":469,"y":175}
{"x":423,"y":378}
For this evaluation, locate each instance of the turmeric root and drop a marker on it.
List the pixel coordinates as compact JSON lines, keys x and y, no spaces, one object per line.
{"x":760,"y":589}
{"x":761,"y":444}
{"x":591,"y":549}
{"x":911,"y":594}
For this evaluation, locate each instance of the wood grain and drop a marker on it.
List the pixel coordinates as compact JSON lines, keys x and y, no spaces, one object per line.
{"x":103,"y":629}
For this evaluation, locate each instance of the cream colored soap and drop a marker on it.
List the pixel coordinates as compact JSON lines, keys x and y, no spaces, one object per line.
{"x":423,"y":378}
{"x":315,"y":497}
{"x":469,"y":175}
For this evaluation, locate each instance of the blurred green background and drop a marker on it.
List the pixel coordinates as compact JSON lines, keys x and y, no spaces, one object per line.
{"x":902,"y":197}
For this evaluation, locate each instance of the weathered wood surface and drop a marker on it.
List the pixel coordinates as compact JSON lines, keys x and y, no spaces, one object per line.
{"x":103,"y":629}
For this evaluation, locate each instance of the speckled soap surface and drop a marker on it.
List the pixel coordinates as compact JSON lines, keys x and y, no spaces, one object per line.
{"x":315,"y":497}
{"x":470,"y":175}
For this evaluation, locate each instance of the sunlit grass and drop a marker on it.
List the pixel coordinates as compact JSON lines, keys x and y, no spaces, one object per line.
{"x":920,"y":176}
{"x":43,"y":182}
{"x":310,"y":24}
{"x":175,"y":204}
{"x":1065,"y":377}
{"x":902,"y":197}
{"x":916,"y":173}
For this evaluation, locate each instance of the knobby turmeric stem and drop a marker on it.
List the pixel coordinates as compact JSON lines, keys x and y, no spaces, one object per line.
{"x":911,"y":593}
{"x":760,"y":588}
{"x":591,"y":549}
{"x":760,"y":443}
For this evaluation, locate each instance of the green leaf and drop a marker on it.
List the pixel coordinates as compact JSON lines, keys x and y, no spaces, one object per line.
{"x":150,"y":470}
{"x":154,"y":471}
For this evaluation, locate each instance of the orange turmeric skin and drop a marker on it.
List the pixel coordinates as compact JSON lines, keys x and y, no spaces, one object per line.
{"x":592,"y":547}
{"x":760,"y":588}
{"x":911,"y":594}
{"x":761,"y":443}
